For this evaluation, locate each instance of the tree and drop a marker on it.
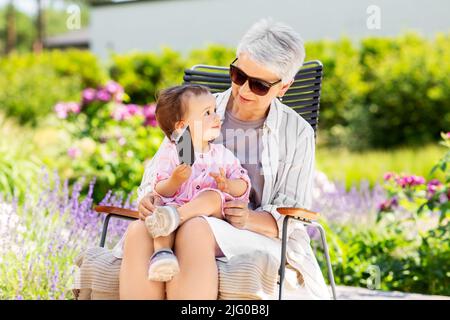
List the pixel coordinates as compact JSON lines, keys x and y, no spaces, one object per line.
{"x":10,"y":27}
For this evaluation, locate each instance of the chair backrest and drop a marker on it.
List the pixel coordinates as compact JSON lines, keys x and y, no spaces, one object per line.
{"x":303,"y":96}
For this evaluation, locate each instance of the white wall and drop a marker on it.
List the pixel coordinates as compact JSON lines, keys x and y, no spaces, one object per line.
{"x":188,"y":24}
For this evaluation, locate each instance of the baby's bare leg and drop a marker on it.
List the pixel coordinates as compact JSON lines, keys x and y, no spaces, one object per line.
{"x":164,"y":242}
{"x":207,"y":203}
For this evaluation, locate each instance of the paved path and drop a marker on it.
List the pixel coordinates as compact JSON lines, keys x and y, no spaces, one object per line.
{"x":357,"y":293}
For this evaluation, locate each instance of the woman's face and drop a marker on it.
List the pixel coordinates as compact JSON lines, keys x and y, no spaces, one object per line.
{"x":243,"y":97}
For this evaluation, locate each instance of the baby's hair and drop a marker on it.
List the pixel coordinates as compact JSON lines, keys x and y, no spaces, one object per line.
{"x":172,"y":103}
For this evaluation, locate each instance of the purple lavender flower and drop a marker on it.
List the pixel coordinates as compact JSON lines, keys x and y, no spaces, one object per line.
{"x":89,"y":95}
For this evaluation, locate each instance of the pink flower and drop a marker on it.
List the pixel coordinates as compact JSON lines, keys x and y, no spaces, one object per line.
{"x":74,"y":152}
{"x":115,"y":90}
{"x":103,"y":95}
{"x":121,"y":113}
{"x":113,"y":87}
{"x":433,"y":186}
{"x":133,"y":109}
{"x":388,"y":205}
{"x":149,"y":114}
{"x":448,"y":135}
{"x":74,"y":107}
{"x":61,"y":110}
{"x":89,"y":95}
{"x":388,"y":175}
{"x":410,"y":181}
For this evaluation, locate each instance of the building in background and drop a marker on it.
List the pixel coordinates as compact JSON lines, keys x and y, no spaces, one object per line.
{"x":146,"y":25}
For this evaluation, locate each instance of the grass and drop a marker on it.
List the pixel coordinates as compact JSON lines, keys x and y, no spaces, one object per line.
{"x":352,"y":167}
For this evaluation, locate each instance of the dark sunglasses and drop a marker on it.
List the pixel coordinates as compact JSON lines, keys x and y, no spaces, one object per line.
{"x":257,"y":86}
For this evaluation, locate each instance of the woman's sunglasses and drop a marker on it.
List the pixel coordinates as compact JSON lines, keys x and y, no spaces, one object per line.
{"x":257,"y":86}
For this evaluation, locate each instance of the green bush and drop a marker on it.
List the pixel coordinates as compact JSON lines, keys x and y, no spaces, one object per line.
{"x":32,"y":84}
{"x":379,"y":93}
{"x":143,"y":74}
{"x":19,"y":164}
{"x":408,"y":242}
{"x":110,"y":140}
{"x":409,"y":91}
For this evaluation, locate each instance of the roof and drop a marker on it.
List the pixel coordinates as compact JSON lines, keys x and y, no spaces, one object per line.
{"x":99,"y":3}
{"x":75,"y":38}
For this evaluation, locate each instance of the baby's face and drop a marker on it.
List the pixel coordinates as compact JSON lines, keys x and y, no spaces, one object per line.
{"x":203,"y":121}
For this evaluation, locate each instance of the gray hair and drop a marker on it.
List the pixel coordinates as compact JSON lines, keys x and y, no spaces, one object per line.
{"x":275,"y":46}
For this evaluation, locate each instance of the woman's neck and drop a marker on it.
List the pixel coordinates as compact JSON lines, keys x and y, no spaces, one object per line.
{"x":243,"y":114}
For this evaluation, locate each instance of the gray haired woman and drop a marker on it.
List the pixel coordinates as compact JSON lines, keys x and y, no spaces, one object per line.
{"x":275,"y":145}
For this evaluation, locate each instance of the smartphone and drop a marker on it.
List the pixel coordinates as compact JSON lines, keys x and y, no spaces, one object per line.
{"x":185,"y":148}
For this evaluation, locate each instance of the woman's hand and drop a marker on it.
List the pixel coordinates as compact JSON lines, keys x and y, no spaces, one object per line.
{"x":221,"y":180}
{"x":237,"y":213}
{"x":148,"y":204}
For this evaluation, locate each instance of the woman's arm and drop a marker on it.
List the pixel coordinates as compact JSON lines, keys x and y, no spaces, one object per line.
{"x":262,"y":222}
{"x":240,"y":216}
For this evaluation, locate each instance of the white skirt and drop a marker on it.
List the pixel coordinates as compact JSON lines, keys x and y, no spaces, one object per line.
{"x":232,"y":241}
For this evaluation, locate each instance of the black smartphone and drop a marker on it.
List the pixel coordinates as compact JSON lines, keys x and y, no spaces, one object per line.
{"x":185,"y":148}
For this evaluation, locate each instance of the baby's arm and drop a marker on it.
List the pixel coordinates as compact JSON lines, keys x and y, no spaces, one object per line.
{"x":168,"y":187}
{"x":237,"y":187}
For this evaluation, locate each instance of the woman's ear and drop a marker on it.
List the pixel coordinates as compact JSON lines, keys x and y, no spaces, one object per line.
{"x":285,"y":88}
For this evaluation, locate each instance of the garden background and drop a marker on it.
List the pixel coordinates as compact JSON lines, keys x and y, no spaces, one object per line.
{"x":77,"y":131}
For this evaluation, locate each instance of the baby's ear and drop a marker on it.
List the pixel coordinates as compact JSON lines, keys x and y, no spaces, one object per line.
{"x":179,"y":125}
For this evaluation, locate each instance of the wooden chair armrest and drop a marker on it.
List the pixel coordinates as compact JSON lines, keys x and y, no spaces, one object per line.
{"x":299,"y":213}
{"x":118,"y":211}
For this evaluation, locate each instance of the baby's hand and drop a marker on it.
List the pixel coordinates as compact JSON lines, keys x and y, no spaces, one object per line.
{"x":182,"y":173}
{"x":221,"y":180}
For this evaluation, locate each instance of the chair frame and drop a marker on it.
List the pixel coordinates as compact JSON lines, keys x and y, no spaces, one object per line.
{"x":306,"y":217}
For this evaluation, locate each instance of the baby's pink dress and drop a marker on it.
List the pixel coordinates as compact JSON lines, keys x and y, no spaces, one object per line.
{"x":217,"y":157}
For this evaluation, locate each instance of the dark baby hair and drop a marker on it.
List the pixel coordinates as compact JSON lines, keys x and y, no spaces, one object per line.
{"x":172,"y":104}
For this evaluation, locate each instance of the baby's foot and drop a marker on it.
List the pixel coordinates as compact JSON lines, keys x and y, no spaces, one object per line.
{"x":163,"y":266}
{"x":163,"y":221}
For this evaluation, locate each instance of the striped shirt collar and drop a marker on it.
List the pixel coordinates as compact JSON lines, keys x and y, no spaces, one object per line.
{"x":273,"y":120}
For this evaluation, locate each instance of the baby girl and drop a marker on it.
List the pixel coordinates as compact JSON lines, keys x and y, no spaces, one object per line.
{"x":188,"y":191}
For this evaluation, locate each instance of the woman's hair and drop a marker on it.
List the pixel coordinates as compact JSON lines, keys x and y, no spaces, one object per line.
{"x":171,"y":105}
{"x":275,"y":46}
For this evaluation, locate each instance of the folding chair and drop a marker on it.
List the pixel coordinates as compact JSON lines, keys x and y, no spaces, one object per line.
{"x":304,"y":97}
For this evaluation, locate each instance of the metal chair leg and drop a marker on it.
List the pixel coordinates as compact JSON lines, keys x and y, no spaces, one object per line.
{"x":105,"y":230}
{"x":327,"y":256}
{"x":283,"y":256}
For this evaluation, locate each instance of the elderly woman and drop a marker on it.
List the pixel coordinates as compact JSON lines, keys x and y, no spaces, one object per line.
{"x":280,"y":162}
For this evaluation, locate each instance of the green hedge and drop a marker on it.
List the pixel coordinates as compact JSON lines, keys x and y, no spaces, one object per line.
{"x":32,"y":84}
{"x":378,"y":93}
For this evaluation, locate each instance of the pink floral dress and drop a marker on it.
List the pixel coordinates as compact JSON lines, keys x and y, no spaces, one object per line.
{"x":217,"y":157}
